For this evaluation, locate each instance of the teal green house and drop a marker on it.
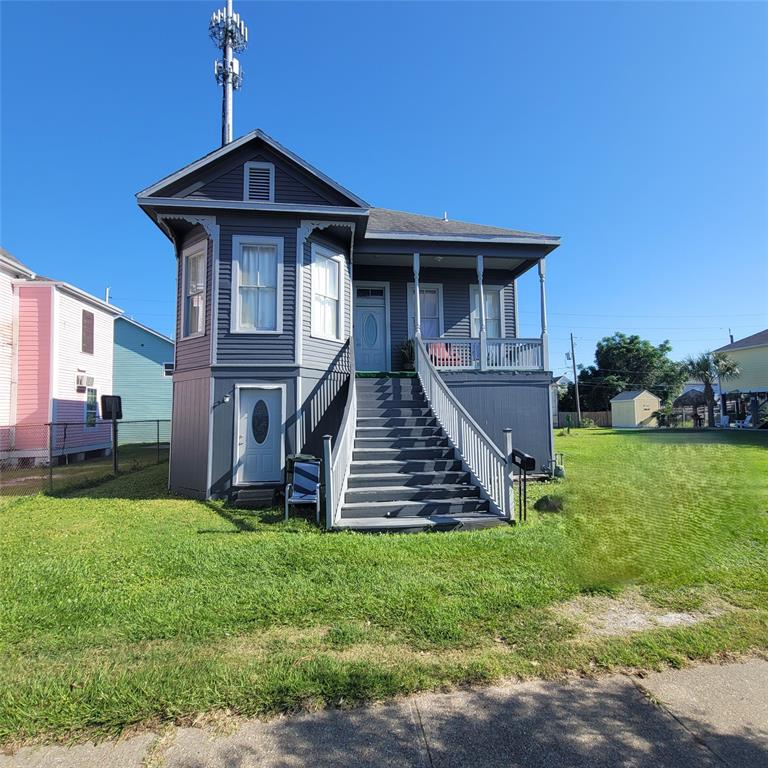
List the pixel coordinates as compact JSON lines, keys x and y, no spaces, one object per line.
{"x":143,"y":377}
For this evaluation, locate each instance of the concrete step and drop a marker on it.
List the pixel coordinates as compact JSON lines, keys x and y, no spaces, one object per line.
{"x":420,"y":508}
{"x":381,"y":479}
{"x":401,"y":442}
{"x":411,"y":493}
{"x":465,"y":522}
{"x":413,"y":466}
{"x":402,"y":454}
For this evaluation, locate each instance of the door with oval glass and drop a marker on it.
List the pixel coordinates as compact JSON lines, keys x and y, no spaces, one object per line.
{"x":259,"y":435}
{"x":370,"y":328}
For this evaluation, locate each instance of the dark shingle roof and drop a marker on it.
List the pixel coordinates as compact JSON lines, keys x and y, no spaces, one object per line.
{"x":755,"y":340}
{"x":383,"y":221}
{"x":630,"y":395}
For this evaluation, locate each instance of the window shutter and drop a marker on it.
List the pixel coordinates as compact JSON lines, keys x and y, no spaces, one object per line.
{"x":87,"y":340}
{"x":258,"y":182}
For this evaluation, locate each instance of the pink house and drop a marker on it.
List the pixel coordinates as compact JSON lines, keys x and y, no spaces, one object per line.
{"x":61,"y":362}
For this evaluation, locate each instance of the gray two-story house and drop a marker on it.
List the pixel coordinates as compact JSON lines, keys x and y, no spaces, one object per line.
{"x":292,"y":290}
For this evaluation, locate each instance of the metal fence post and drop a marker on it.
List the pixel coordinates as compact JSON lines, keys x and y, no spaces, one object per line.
{"x":114,"y":446}
{"x":158,"y":441}
{"x":509,"y":506}
{"x":50,"y":458}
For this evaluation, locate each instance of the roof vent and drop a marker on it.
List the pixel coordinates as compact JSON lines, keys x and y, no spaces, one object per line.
{"x":260,"y":182}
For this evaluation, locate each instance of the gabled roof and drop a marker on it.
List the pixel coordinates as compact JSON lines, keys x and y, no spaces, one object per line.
{"x":759,"y":339}
{"x":146,"y":328}
{"x":384,"y":223}
{"x":78,"y":294}
{"x":7,"y":258}
{"x":632,"y":395}
{"x":221,"y":152}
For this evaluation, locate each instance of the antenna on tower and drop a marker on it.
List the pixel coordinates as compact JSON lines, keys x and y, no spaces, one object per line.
{"x":230,"y":36}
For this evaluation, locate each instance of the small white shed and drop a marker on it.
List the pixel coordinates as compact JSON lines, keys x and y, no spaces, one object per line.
{"x":630,"y":410}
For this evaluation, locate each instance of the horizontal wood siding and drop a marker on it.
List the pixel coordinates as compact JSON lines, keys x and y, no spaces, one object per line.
{"x":189,"y":435}
{"x":7,"y":330}
{"x":321,"y":353}
{"x":33,"y":390}
{"x":292,"y":184}
{"x":138,"y":372}
{"x":253,"y":347}
{"x":194,"y":352}
{"x":456,"y":302}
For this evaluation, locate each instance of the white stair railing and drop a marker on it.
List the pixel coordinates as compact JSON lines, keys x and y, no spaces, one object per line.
{"x":338,"y":459}
{"x":487,"y":465}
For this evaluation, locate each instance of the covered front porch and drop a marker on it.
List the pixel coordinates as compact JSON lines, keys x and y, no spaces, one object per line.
{"x":463,"y":306}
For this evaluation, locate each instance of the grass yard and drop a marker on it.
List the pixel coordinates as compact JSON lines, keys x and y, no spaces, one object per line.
{"x":121,"y":606}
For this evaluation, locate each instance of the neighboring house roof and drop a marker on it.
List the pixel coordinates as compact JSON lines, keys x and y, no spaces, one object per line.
{"x":632,"y":395}
{"x":79,"y":294}
{"x":146,"y":328}
{"x":217,"y":154}
{"x":7,"y":258}
{"x":758,"y":339}
{"x":386,"y":223}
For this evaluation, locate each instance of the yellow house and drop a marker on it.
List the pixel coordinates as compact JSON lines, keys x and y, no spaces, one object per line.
{"x":634,"y":409}
{"x":743,"y":394}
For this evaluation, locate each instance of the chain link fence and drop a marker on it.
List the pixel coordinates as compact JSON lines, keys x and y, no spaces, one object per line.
{"x":66,"y":455}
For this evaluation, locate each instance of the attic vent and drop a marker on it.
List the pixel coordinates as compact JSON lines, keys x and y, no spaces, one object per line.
{"x":260,"y":182}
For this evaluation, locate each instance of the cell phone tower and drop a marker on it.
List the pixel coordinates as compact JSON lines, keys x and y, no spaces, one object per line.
{"x":230,"y":36}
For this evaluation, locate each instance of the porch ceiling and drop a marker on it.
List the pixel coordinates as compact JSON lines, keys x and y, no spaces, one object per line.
{"x":444,"y":262}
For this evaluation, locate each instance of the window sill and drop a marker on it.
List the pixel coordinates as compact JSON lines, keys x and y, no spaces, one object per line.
{"x":192,"y":336}
{"x":336,"y":339}
{"x":242,"y":332}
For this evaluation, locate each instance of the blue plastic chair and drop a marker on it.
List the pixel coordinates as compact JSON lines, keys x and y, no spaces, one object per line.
{"x":305,"y":488}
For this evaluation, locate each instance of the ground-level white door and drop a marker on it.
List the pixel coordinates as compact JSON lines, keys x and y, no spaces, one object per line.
{"x":370,"y":328}
{"x":259,"y":438}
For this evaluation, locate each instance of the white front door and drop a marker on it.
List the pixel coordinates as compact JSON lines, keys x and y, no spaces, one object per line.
{"x":259,"y":435}
{"x":370,"y":329}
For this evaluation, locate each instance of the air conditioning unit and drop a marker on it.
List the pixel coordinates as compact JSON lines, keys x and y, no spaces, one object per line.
{"x":83,"y":381}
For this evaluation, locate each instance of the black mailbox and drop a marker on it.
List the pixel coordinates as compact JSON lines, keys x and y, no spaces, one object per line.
{"x":111,"y":407}
{"x":523,"y":460}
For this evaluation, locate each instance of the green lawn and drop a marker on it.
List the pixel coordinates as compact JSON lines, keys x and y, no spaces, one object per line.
{"x":119,"y":605}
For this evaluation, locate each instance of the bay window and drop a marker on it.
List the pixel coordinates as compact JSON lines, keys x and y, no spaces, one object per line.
{"x":194,"y":293}
{"x":257,"y":271}
{"x":327,"y":273}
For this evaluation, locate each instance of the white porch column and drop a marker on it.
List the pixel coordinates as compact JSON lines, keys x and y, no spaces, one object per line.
{"x":544,"y":332}
{"x":483,"y":331}
{"x":416,"y":297}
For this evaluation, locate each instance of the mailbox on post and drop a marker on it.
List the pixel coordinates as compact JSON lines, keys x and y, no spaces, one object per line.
{"x":527,"y":464}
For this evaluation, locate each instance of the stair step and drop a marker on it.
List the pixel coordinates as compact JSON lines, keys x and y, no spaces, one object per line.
{"x":402,"y":454}
{"x":391,"y":402}
{"x":419,"y":441}
{"x":366,"y":432}
{"x":396,"y":421}
{"x":465,"y":522}
{"x":412,"y":466}
{"x":421,"y":508}
{"x":401,"y":479}
{"x":411,"y":493}
{"x":393,"y":411}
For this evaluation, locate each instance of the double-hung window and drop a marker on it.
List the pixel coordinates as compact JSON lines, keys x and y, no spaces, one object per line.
{"x":327,"y":273}
{"x":91,"y":408}
{"x":493,"y":311}
{"x":194,"y":293}
{"x":256,"y":280}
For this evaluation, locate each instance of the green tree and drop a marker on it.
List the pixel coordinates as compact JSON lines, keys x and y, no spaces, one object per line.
{"x":708,"y":367}
{"x":625,"y":362}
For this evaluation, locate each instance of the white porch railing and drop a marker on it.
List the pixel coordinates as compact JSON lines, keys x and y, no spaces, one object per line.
{"x":337,"y":460}
{"x":501,"y":354}
{"x":486,"y":463}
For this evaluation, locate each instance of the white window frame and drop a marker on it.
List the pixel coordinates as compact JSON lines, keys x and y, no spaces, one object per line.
{"x":198,"y":249}
{"x":333,"y":255}
{"x":412,"y":307}
{"x":475,"y":289}
{"x":238,"y":241}
{"x":165,"y":373}
{"x":95,"y":424}
{"x":271,"y":168}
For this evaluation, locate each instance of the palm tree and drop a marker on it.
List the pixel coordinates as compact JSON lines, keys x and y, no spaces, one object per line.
{"x":708,"y":367}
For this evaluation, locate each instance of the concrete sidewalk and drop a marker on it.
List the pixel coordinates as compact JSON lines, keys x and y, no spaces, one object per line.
{"x":701,"y":717}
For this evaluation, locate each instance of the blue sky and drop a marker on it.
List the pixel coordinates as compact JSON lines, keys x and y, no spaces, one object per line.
{"x":637,"y":132}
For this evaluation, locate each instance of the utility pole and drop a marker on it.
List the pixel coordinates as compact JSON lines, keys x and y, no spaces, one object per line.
{"x":576,"y":384}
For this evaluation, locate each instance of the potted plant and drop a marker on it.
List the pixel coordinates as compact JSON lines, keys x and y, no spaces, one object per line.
{"x":408,"y":354}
